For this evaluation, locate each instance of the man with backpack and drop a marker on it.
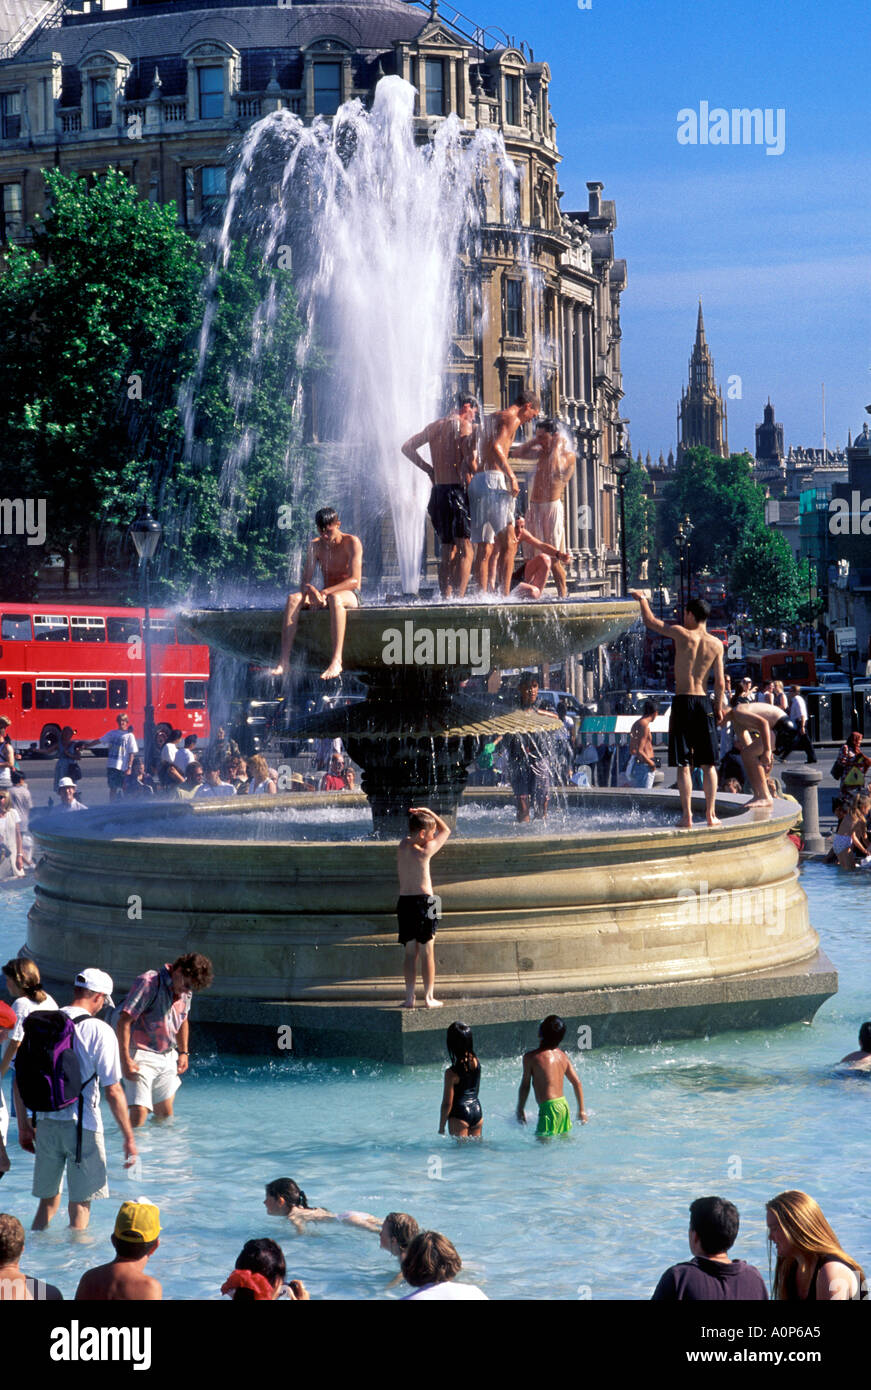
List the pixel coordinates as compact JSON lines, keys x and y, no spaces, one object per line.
{"x":65,"y":1055}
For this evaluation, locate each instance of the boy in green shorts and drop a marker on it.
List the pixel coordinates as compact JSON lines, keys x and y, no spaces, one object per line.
{"x":546,"y":1069}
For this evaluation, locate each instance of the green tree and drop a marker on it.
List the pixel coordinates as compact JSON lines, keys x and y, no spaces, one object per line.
{"x":765,"y":574}
{"x":722,"y":501}
{"x":639,"y":513}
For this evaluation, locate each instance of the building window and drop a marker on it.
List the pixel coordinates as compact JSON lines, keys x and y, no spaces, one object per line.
{"x":210,"y":85}
{"x":514,"y":308}
{"x":11,"y":212}
{"x":101,"y":103}
{"x":214,"y":186}
{"x":328,"y":88}
{"x":512,"y":101}
{"x":516,"y":384}
{"x":435,"y":87}
{"x":10,"y":115}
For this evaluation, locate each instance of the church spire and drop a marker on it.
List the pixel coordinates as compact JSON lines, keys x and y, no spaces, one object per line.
{"x":700,"y":328}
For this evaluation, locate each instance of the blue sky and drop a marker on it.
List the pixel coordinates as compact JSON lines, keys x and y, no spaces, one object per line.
{"x":778,"y":246}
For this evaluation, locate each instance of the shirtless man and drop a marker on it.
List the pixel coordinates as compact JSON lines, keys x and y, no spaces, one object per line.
{"x":453,"y":448}
{"x":530,"y":580}
{"x":753,"y":725}
{"x":554,"y":469}
{"x":492,"y":491}
{"x":340,"y":558}
{"x":641,"y":748}
{"x":861,"y":1060}
{"x":135,"y":1238}
{"x":692,"y":735}
{"x":547,"y":1068}
{"x":418,"y":910}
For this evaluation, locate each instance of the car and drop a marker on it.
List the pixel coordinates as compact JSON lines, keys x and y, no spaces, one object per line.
{"x":549,"y":699}
{"x":828,"y":679}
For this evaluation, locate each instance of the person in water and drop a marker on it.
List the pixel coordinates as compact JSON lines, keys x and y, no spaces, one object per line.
{"x":546,"y":1068}
{"x":260,"y":1276}
{"x":340,"y":558}
{"x":286,"y":1198}
{"x":398,"y":1230}
{"x":861,"y":1060}
{"x":461,"y":1108}
{"x":811,"y":1266}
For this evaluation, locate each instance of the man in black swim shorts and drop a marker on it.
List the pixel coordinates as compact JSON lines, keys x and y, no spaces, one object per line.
{"x":453,"y":448}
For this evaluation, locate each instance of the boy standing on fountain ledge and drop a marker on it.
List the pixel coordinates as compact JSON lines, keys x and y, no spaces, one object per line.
{"x":418,"y":909}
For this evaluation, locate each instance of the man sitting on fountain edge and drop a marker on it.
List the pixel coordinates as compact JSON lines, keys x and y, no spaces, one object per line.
{"x":340,"y":558}
{"x":692,"y":734}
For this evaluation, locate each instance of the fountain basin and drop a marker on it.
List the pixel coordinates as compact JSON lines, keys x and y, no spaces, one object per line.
{"x":643,"y":933}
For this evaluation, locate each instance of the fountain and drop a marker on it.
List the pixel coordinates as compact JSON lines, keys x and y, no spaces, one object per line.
{"x":641,"y":933}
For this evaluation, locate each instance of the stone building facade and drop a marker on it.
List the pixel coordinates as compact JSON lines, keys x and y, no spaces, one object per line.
{"x":164,"y":91}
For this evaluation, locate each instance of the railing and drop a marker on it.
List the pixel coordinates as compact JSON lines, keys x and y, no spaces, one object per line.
{"x":175,"y":110}
{"x":247,"y":107}
{"x":49,"y":17}
{"x":70,"y":121}
{"x":484,"y":39}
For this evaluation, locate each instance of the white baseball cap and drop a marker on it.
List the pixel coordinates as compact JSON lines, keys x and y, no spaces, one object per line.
{"x":66,"y":782}
{"x":98,"y":981}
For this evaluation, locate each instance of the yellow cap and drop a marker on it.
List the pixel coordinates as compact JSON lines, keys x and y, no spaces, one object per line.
{"x":137,"y":1223}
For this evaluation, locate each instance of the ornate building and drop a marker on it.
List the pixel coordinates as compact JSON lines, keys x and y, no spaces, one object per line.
{"x":770,"y":467}
{"x":701,"y":418}
{"x":165,"y":90}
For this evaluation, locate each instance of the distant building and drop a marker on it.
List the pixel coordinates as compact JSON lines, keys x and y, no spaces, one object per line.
{"x":701,"y":419}
{"x":770,"y":467}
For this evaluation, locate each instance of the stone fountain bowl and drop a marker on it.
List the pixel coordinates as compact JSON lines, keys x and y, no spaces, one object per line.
{"x":441,"y":636}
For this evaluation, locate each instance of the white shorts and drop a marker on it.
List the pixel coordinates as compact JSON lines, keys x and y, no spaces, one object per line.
{"x":158,"y":1078}
{"x":546,"y":521}
{"x":491,"y":506}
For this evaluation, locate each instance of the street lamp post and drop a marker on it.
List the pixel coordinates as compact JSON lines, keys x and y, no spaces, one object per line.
{"x":659,"y":585}
{"x":145,"y":534}
{"x":682,"y":541}
{"x":621,"y":463}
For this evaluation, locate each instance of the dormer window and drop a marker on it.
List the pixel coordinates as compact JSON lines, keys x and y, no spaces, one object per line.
{"x":434,"y":89}
{"x":513,"y":98}
{"x":10,"y":115}
{"x":328,"y":88}
{"x":210,"y":91}
{"x":101,"y":103}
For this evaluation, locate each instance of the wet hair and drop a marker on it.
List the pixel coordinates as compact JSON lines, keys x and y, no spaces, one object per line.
{"x":552,"y":1030}
{"x":197,"y":968}
{"x":11,"y":1239}
{"x":421,"y":820}
{"x":325,"y":517}
{"x":527,"y":397}
{"x":402,"y":1228}
{"x":286,"y":1190}
{"x":715,"y":1222}
{"x":865,"y":1037}
{"x":25,"y":974}
{"x":809,"y":1233}
{"x":461,"y":1047}
{"x":700,"y":609}
{"x":430,"y":1259}
{"x":262,"y":1257}
{"x":649,"y":708}
{"x":464,"y":399}
{"x":547,"y":424}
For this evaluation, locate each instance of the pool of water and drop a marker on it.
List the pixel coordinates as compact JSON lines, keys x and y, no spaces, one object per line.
{"x":348,"y":823}
{"x":599,"y":1214}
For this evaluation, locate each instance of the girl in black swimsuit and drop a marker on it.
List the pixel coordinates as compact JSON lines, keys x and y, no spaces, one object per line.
{"x":806,"y":1244}
{"x":461,"y":1109}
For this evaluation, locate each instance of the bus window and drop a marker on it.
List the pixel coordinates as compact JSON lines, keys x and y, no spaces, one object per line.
{"x":51,"y":627}
{"x":122,"y":629}
{"x":89,"y":694}
{"x":52,"y":694}
{"x":2,"y":690}
{"x":15,"y":627}
{"x":88,"y":629}
{"x":195,"y":694}
{"x":117,"y":693}
{"x":162,"y":631}
{"x":26,"y":695}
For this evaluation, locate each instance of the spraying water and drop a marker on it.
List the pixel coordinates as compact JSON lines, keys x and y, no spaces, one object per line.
{"x":379,"y":229}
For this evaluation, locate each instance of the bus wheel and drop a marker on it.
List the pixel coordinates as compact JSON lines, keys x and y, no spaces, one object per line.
{"x":49,"y":739}
{"x":161,"y":735}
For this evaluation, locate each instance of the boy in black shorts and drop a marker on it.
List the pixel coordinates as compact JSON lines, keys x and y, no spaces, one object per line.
{"x":418,"y":910}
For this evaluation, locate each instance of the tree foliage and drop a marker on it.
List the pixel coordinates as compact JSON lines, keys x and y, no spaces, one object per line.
{"x":639,"y":514}
{"x":765,"y":574}
{"x":722,"y":501}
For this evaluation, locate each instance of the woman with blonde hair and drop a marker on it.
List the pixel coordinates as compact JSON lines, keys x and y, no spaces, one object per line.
{"x":260,"y":780}
{"x":779,"y":697}
{"x":811,"y":1266}
{"x":24,"y":987}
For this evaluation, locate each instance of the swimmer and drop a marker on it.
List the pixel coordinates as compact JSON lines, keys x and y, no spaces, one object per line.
{"x":285,"y":1198}
{"x":861,"y":1060}
{"x":461,"y":1108}
{"x":547,"y":1068}
{"x":418,"y":910}
{"x":398,"y":1230}
{"x":340,"y":557}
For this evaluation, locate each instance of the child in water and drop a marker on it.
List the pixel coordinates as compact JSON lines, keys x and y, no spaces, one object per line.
{"x":461,"y":1108}
{"x":546,"y":1068}
{"x":418,"y":910}
{"x":285,"y":1198}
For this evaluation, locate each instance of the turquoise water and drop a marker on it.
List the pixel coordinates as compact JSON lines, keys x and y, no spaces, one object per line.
{"x":598,"y":1215}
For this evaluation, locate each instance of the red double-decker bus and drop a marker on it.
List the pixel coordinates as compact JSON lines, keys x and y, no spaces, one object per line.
{"x":80,"y":666}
